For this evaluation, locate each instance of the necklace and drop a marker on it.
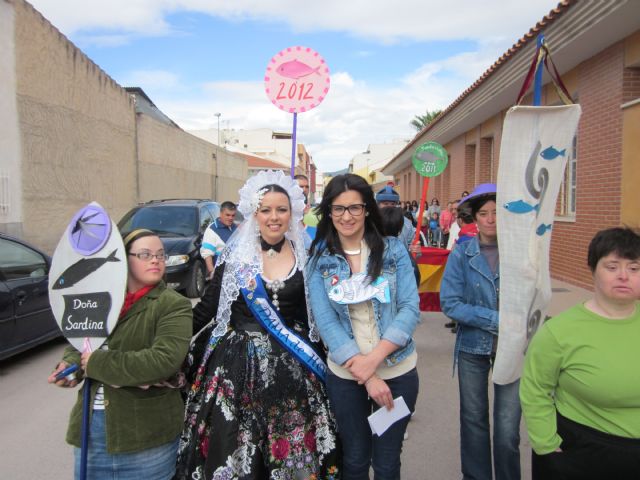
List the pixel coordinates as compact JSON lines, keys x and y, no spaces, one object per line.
{"x":275,"y":286}
{"x":272,"y":250}
{"x":352,"y":252}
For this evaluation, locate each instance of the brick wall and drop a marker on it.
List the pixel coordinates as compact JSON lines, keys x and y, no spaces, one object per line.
{"x":486,"y":173}
{"x":469,"y":167}
{"x":600,"y":92}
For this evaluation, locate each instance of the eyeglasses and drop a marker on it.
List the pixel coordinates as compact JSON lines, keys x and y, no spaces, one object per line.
{"x":355,"y":210}
{"x":147,"y":256}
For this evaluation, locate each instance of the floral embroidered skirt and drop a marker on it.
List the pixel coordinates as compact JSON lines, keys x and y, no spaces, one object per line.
{"x":254,"y":412}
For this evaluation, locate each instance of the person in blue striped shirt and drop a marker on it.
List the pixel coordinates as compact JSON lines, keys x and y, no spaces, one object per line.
{"x":217,"y":234}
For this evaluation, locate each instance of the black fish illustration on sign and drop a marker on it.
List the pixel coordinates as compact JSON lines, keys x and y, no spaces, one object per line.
{"x":81,"y":269}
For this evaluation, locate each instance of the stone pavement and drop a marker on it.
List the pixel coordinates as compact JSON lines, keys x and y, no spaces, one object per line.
{"x":432,"y":450}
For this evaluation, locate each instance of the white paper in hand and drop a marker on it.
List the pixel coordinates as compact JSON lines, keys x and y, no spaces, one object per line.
{"x":382,"y":419}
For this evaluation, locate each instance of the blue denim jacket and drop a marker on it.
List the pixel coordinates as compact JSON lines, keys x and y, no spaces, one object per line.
{"x":395,"y":320}
{"x":469,"y":295}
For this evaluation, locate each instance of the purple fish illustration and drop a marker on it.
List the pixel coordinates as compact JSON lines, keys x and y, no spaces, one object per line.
{"x":295,"y":69}
{"x":520,"y":206}
{"x":551,"y":153}
{"x":81,"y":269}
{"x":427,"y":156}
{"x":356,"y":290}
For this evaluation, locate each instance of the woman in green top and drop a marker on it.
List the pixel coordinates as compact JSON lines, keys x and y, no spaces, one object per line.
{"x":580,"y":388}
{"x":136,"y":416}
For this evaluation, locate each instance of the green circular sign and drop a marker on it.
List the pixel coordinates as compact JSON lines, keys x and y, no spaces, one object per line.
{"x":430,"y":159}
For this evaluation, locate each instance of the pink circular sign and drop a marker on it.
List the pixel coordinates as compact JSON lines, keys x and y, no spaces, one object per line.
{"x":297,"y":79}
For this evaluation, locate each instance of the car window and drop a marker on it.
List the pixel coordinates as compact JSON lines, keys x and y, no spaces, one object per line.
{"x":205,"y":217}
{"x":164,"y":220}
{"x":214,"y":209}
{"x":20,"y":261}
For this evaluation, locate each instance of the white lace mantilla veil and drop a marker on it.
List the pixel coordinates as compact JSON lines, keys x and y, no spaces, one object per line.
{"x":242,"y":252}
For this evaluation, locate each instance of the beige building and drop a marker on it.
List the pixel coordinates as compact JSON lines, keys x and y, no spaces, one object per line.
{"x":369,"y":163}
{"x":72,"y":135}
{"x":263,"y":143}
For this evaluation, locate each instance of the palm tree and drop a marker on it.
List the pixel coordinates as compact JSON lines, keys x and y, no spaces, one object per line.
{"x":421,"y":121}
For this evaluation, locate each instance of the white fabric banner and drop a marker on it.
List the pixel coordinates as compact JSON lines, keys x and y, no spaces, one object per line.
{"x":536,"y":142}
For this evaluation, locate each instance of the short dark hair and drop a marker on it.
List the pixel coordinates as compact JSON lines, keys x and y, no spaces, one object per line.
{"x":228,"y":206}
{"x":392,"y":221}
{"x":478,"y":202}
{"x":301,"y":177}
{"x":622,"y":241}
{"x":465,"y":215}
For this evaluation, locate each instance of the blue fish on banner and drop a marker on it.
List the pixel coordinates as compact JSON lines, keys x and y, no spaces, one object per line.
{"x":551,"y":153}
{"x":520,"y":206}
{"x":543,"y":228}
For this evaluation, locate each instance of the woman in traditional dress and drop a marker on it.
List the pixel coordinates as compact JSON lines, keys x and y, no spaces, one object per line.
{"x":257,"y":407}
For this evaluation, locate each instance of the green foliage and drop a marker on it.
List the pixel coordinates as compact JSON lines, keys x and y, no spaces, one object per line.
{"x":421,"y":121}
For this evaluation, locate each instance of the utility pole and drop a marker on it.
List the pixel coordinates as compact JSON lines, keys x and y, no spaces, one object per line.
{"x":217,"y":181}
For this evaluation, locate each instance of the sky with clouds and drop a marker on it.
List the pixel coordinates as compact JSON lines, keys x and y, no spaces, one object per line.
{"x":388,"y":60}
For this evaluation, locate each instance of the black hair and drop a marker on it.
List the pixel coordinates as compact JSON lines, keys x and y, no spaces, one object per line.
{"x":392,"y":221}
{"x":134,"y":235}
{"x":622,"y":241}
{"x":274,"y":187}
{"x":326,"y":234}
{"x":478,"y":202}
{"x":465,"y":215}
{"x":434,"y":199}
{"x":228,"y":206}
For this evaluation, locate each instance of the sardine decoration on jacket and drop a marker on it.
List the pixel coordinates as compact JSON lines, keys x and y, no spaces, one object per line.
{"x":396,"y":313}
{"x":357,"y":289}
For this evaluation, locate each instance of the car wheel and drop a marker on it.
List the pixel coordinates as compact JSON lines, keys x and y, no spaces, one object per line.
{"x":197,"y":280}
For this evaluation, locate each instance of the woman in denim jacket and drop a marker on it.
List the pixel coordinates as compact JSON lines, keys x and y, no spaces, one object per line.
{"x":469,"y":295}
{"x":365,"y":303}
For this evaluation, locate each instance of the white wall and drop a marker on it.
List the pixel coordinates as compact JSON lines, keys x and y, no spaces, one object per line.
{"x":10,"y":151}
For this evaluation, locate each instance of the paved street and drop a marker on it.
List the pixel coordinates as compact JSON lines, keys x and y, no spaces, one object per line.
{"x":33,"y":414}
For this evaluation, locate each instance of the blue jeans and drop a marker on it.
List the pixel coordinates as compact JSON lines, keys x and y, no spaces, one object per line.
{"x":436,"y":236}
{"x":361,"y":449}
{"x":475,"y":441}
{"x":158,"y":463}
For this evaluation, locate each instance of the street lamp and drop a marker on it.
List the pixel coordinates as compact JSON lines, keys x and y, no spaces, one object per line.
{"x":217,"y":181}
{"x":218,"y":115}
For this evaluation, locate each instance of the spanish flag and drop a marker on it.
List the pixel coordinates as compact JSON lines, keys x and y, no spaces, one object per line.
{"x":431,"y":264}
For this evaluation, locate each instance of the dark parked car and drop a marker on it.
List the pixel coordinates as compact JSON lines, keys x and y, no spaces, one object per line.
{"x":181,"y":225}
{"x":26,"y":319}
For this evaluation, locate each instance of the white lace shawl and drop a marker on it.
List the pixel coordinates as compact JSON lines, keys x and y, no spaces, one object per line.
{"x":242,"y":252}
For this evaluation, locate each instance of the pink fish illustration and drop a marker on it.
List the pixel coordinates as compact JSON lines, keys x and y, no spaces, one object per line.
{"x":295,"y":69}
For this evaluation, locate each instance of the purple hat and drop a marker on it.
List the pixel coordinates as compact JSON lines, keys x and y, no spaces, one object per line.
{"x":479,"y":191}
